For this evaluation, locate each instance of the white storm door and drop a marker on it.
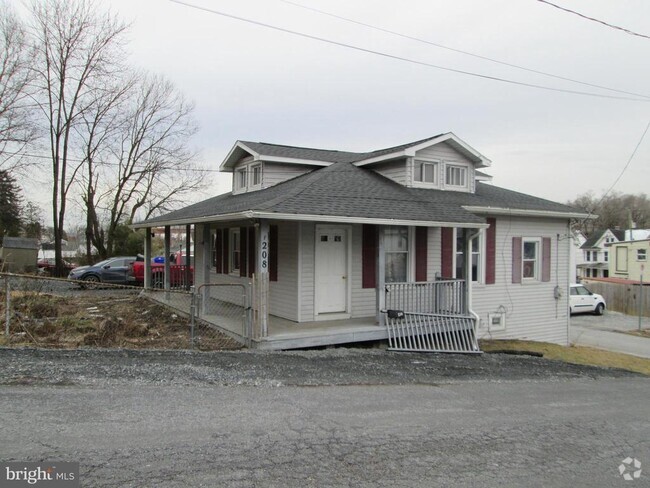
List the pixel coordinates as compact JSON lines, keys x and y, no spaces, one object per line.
{"x":331,"y":269}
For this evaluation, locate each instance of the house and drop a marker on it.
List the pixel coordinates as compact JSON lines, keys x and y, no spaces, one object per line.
{"x":577,"y":258}
{"x":596,"y":253}
{"x":19,"y":254}
{"x":628,"y":259}
{"x":323,"y":241}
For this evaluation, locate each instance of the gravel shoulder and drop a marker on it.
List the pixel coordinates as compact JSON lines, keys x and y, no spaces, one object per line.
{"x":341,"y":366}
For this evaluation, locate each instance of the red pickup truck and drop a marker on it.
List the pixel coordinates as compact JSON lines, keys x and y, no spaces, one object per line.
{"x":177,"y":267}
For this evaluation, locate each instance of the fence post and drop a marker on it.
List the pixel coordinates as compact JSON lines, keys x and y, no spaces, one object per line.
{"x":7,"y":306}
{"x":640,"y":299}
{"x":192,"y":313}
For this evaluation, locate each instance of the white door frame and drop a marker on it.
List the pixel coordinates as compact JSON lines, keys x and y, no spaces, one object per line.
{"x":348,"y":237}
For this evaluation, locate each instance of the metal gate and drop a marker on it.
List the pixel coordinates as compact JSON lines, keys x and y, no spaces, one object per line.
{"x":431,"y":332}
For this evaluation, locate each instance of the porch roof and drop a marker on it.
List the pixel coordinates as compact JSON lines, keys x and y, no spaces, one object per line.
{"x":345,"y":191}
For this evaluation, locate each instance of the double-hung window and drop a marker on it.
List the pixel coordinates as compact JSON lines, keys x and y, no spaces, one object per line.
{"x":455,"y":175}
{"x":475,"y":257}
{"x":241,"y":178}
{"x":641,"y":254}
{"x":256,"y":175}
{"x":396,"y":253}
{"x":530,"y":259}
{"x":426,"y":172}
{"x":235,"y":250}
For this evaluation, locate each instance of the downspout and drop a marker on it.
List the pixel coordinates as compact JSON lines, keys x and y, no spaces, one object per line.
{"x":567,"y":290}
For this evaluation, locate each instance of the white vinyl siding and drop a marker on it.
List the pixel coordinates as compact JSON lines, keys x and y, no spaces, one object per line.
{"x":307,"y":267}
{"x":531,"y":311}
{"x":275,"y":173}
{"x":395,"y":170}
{"x":283,"y":293}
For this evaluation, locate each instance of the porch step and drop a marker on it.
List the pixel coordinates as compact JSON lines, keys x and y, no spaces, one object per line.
{"x":428,"y":332}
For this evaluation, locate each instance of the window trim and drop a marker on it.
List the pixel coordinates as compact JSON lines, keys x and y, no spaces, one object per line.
{"x":482,"y":253}
{"x":410,"y":252}
{"x":252,"y":168}
{"x":537,"y":277}
{"x":232,"y":232}
{"x":640,"y":252}
{"x":465,"y":173}
{"x":436,"y":163}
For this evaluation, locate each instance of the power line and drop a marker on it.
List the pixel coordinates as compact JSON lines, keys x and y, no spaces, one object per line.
{"x":460,"y":51}
{"x":636,"y":148}
{"x":627,"y":31}
{"x":399,"y":58}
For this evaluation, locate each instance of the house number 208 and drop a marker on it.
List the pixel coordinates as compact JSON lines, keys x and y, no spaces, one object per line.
{"x":265,"y":255}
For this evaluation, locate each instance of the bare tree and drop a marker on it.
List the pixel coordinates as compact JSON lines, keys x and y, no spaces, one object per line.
{"x":614,"y":210}
{"x":77,"y":49}
{"x":151,"y":167}
{"x":16,"y":127}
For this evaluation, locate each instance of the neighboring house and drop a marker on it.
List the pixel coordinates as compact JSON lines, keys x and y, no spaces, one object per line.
{"x":629,"y":259}
{"x":577,"y":257}
{"x":636,"y":234}
{"x":331,"y":238}
{"x":596,"y":253}
{"x":19,"y":254}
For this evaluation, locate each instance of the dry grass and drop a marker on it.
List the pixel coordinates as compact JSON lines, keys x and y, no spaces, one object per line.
{"x":573,"y":354}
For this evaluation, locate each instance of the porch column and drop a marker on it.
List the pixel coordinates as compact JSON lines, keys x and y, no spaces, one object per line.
{"x":206,"y":264}
{"x":262,"y":291}
{"x":147,"y":258}
{"x":381,"y":276}
{"x":188,"y":230}
{"x":168,"y":240}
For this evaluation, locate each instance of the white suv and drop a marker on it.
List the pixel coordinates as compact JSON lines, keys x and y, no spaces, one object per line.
{"x":582,"y":300}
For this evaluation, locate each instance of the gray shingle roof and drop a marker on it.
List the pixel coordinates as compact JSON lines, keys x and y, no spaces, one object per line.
{"x":325,"y":155}
{"x":597,"y":235}
{"x":344,"y":189}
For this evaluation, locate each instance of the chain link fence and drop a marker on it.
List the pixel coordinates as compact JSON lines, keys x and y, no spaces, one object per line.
{"x":39,"y":311}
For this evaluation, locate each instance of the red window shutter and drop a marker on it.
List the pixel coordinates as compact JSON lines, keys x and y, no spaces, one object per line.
{"x":218,"y":248}
{"x":490,"y":251}
{"x":243,"y":251}
{"x":273,"y":253}
{"x":251,"y":251}
{"x":226,"y":254}
{"x":516,"y":259}
{"x":546,"y":259}
{"x":421,"y":253}
{"x":369,"y":256}
{"x":447,"y":251}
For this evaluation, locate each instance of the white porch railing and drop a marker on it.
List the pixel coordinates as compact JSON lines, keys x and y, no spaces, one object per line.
{"x":438,"y":297}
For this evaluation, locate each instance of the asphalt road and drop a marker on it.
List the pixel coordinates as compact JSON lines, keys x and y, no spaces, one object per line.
{"x":607,"y":332}
{"x":351,"y":418}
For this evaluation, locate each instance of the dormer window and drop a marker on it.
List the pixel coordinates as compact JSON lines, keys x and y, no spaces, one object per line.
{"x":426,"y":171}
{"x":456,"y":176}
{"x":242,"y":179}
{"x":256,"y":175}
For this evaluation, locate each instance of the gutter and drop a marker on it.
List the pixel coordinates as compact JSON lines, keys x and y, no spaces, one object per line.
{"x":527,"y":213}
{"x":252,"y":214}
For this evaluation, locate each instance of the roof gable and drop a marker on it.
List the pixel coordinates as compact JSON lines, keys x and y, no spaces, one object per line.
{"x":325,"y":157}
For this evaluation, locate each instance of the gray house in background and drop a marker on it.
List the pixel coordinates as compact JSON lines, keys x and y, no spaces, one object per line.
{"x":328,"y":239}
{"x":19,"y":254}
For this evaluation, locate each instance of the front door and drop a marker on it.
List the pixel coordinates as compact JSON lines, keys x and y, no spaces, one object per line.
{"x":331,"y":269}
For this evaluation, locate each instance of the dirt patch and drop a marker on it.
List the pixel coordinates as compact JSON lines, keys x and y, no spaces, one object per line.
{"x":52,"y":321}
{"x":571,"y":354}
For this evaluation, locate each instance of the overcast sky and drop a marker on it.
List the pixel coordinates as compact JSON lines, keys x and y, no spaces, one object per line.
{"x":252,"y":83}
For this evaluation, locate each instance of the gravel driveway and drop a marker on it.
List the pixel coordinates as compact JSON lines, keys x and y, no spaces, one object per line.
{"x":339,"y":366}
